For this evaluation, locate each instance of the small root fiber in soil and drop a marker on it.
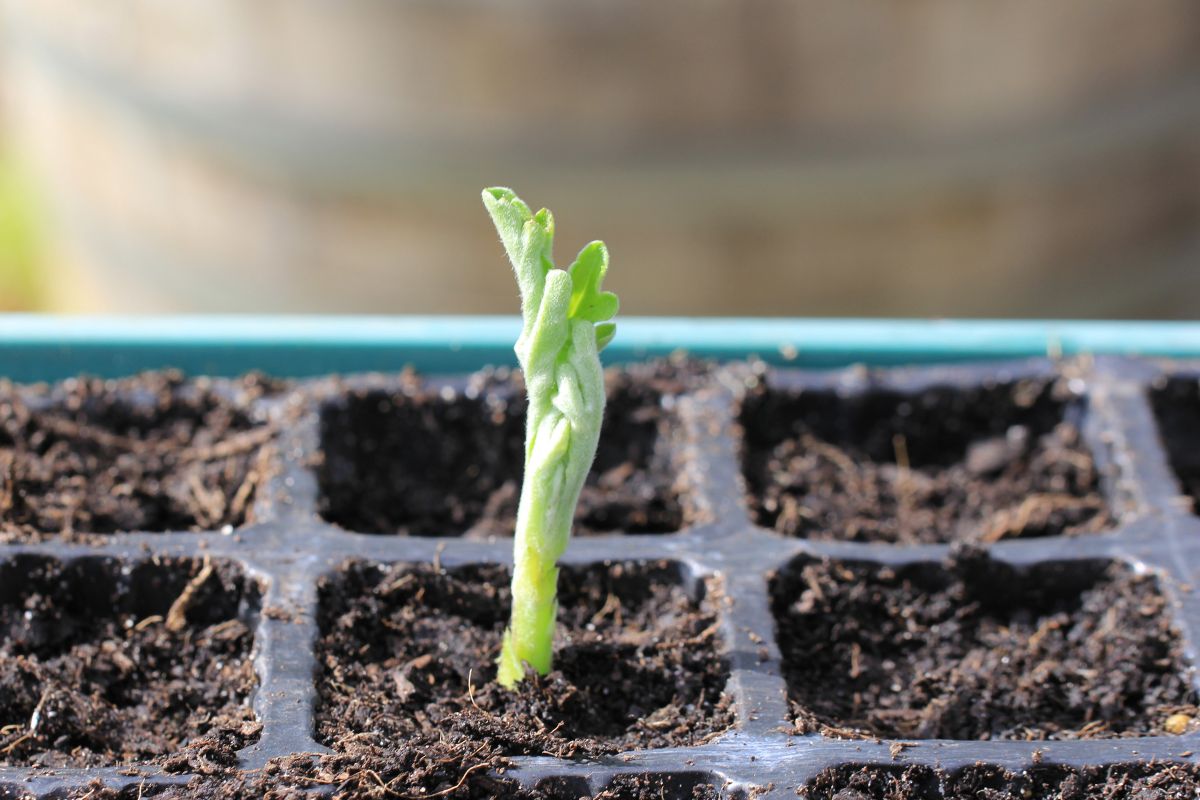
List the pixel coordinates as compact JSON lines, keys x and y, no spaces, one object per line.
{"x":993,"y":462}
{"x":409,"y":650}
{"x":1162,"y":781}
{"x":150,"y":453}
{"x":104,"y":662}
{"x":1177,"y":406}
{"x":436,"y":461}
{"x":978,"y":649}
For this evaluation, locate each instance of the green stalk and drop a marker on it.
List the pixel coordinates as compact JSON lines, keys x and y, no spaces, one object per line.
{"x":565,"y":316}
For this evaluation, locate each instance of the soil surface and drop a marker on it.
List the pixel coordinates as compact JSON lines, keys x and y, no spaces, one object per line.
{"x":983,"y":464}
{"x":976,"y":649}
{"x":1177,"y":407}
{"x":149,"y":453}
{"x":103,"y":663}
{"x":409,"y":651}
{"x":435,"y":461}
{"x":436,"y":773}
{"x":1127,"y":782}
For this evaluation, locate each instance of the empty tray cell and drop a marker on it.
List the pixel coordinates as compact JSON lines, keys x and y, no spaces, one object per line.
{"x":1156,"y":781}
{"x":151,"y":453}
{"x":107,"y":662}
{"x":427,"y":461}
{"x":1177,"y":407}
{"x":407,"y":655}
{"x":982,"y":464}
{"x":978,"y":649}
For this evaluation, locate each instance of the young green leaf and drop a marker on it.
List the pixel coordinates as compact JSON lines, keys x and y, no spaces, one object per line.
{"x":565,"y":325}
{"x":587,"y":300}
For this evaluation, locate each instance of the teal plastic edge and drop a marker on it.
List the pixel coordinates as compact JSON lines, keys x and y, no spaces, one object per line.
{"x":49,"y":347}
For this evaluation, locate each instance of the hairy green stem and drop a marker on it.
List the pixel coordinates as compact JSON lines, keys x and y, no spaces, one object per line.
{"x":565,"y":325}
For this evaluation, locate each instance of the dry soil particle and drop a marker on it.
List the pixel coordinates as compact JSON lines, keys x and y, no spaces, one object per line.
{"x":982,"y":464}
{"x":103,"y":663}
{"x":430,"y":460}
{"x":977,"y":649}
{"x":1119,"y":782}
{"x":409,"y":650}
{"x":149,"y":453}
{"x":1177,"y":406}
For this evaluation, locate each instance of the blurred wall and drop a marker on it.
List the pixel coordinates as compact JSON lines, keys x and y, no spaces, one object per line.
{"x":778,"y":157}
{"x":22,"y":265}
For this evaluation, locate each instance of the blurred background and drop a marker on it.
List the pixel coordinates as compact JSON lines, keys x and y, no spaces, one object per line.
{"x":740,"y":157}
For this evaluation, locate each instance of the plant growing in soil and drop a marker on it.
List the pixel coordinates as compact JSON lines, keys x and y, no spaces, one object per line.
{"x":566,"y":324}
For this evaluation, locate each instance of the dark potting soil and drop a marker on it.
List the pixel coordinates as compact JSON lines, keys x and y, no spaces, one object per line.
{"x":104,"y":662}
{"x":409,"y":650}
{"x":981,"y":464}
{"x":1122,"y":782}
{"x":976,"y":649}
{"x":149,"y":453}
{"x":428,"y":461}
{"x":1177,"y":406}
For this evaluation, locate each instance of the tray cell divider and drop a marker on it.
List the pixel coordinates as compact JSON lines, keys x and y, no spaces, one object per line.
{"x":285,"y":659}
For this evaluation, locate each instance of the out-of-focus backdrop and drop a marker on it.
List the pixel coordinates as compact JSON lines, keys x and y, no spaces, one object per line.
{"x":749,"y":157}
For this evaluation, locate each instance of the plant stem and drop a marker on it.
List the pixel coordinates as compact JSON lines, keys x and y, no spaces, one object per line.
{"x":559,"y":353}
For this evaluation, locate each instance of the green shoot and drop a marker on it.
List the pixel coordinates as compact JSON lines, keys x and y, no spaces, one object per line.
{"x":565,"y":326}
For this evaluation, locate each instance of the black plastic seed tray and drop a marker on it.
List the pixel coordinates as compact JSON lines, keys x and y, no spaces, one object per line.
{"x":289,"y":549}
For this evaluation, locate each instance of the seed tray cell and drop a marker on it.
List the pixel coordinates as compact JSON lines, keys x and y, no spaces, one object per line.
{"x":299,"y":550}
{"x":1176,"y":404}
{"x":104,"y":664}
{"x":979,"y":649}
{"x":943,"y":464}
{"x":638,"y":665}
{"x":432,"y":460}
{"x":152,"y":454}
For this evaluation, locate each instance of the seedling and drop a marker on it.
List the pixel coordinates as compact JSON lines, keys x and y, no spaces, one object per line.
{"x":565,"y":326}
